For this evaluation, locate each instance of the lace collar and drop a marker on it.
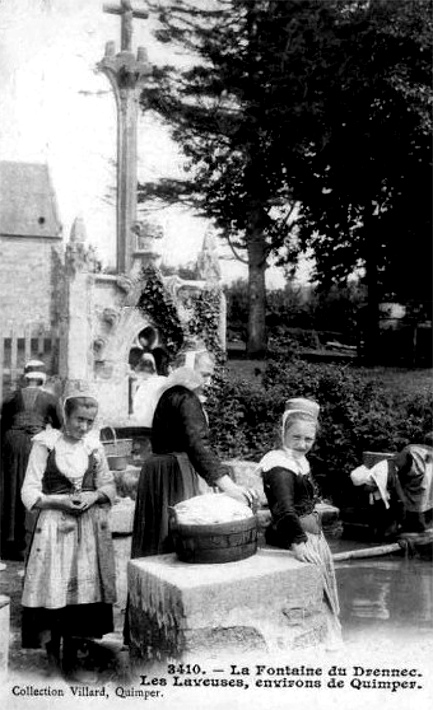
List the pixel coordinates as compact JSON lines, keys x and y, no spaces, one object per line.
{"x":284,"y":458}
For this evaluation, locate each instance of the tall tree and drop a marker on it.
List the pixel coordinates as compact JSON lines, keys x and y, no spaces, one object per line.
{"x":223,"y":118}
{"x":313,"y":108}
{"x":368,"y":179}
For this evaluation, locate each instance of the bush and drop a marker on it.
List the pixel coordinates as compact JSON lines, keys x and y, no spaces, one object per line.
{"x":292,"y":339}
{"x":357,"y":415}
{"x":243,"y":417}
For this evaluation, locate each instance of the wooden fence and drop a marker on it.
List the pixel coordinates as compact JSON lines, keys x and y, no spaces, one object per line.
{"x":18,"y":344}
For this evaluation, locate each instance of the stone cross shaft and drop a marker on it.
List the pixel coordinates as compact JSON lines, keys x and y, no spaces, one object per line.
{"x":127,"y":75}
{"x":127,"y":13}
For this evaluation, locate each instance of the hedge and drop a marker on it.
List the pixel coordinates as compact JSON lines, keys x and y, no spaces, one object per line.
{"x":357,"y":415}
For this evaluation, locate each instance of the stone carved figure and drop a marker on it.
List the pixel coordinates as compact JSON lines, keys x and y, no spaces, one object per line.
{"x":207,"y":262}
{"x":146,"y":231}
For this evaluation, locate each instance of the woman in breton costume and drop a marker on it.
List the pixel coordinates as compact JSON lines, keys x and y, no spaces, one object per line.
{"x":182,"y":459}
{"x":28,"y":411}
{"x":69,"y":582}
{"x":182,"y":456}
{"x":292,"y":495}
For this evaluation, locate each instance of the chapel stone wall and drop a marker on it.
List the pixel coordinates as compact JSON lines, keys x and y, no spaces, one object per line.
{"x":29,"y":279}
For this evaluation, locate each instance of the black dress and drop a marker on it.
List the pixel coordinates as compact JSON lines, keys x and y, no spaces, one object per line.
{"x":24,"y":414}
{"x":181,"y":453}
{"x":290,"y":498}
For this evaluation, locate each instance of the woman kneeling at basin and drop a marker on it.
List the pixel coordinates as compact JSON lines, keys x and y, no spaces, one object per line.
{"x":292,"y":495}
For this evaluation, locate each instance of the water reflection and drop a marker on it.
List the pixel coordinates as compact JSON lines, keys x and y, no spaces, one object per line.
{"x":372,"y":601}
{"x":386,"y":594}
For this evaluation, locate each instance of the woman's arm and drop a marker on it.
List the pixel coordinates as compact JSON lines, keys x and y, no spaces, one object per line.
{"x":244,"y":495}
{"x":105,"y":483}
{"x":201,"y":454}
{"x":31,"y":491}
{"x":196,"y":439}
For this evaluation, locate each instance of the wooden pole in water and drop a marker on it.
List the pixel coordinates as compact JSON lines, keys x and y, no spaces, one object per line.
{"x":377,"y":551}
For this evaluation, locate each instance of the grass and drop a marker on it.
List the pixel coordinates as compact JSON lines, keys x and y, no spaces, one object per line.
{"x":404,"y":380}
{"x":400,"y":379}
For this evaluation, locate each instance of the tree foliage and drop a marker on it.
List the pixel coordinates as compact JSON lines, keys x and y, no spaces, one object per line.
{"x":218,"y":111}
{"x":305,"y":123}
{"x":367,"y":196}
{"x":310,"y":309}
{"x":223,"y":118}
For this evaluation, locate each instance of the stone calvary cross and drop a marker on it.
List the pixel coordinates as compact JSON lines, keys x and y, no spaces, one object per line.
{"x":126,"y":13}
{"x":127,"y":75}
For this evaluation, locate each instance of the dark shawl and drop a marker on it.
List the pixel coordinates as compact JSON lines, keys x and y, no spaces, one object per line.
{"x":179,"y":425}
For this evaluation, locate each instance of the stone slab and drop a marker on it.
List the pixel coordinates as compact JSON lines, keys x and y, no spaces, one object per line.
{"x":121,"y":522}
{"x":122,"y":554}
{"x":268,"y":602}
{"x":121,"y":517}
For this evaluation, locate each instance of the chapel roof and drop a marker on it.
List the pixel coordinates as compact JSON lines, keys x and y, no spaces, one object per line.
{"x":28,"y":206}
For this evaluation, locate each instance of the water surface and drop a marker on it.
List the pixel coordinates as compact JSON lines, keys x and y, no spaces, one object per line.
{"x":386,"y":599}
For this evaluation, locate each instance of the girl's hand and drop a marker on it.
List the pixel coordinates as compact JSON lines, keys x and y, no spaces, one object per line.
{"x":58,"y":502}
{"x":73,"y":506}
{"x":299,"y":549}
{"x":85,"y":500}
{"x":304,"y":554}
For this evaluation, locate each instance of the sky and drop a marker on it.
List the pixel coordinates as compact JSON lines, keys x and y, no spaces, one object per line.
{"x":57,"y":109}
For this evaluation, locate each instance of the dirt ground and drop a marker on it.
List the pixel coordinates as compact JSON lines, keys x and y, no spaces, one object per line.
{"x":108,"y":657}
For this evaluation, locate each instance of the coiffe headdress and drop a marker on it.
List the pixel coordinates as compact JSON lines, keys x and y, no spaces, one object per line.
{"x":284,"y":457}
{"x":306,"y":406}
{"x":185,"y":376}
{"x":35,"y":370}
{"x":299,"y":405}
{"x":377,"y":475}
{"x":79,"y":388}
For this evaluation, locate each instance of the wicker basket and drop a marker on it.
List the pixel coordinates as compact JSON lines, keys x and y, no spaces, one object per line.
{"x":217,"y":543}
{"x":117,"y":451}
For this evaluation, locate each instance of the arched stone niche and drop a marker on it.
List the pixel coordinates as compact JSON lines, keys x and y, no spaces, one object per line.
{"x":111,"y":367}
{"x":101,"y":320}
